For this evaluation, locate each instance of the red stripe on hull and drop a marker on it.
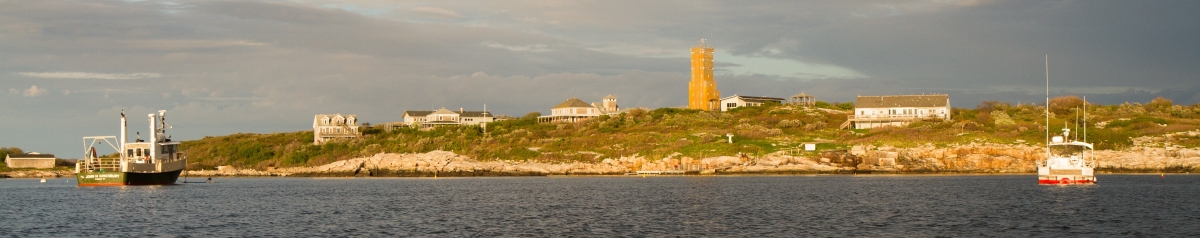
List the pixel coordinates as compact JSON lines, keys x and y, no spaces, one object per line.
{"x":1065,"y":181}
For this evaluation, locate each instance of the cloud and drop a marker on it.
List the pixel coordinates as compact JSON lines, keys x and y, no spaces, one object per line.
{"x":86,"y":75}
{"x":34,"y":91}
{"x":531,"y":48}
{"x":437,"y":12}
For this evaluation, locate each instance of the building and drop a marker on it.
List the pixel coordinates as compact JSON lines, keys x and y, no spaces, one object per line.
{"x":30,"y":160}
{"x":897,"y":110}
{"x":803,"y":99}
{"x":332,"y":126}
{"x":608,"y":105}
{"x":737,"y":101}
{"x":575,"y":110}
{"x":702,"y":90}
{"x":445,"y":117}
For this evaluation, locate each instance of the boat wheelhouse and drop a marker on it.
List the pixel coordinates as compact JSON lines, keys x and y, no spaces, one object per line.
{"x":1067,"y":162}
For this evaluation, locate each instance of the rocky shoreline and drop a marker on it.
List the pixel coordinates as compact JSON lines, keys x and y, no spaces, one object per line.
{"x":974,"y":158}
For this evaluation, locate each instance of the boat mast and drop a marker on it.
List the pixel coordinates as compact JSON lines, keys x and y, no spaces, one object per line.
{"x":123,"y":132}
{"x":153,"y":137}
{"x":1047,"y":106}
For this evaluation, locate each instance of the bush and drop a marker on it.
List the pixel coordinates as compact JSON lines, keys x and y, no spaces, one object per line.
{"x":1063,"y":105}
{"x":1001,"y":118}
{"x":1159,"y":105}
{"x":5,"y":151}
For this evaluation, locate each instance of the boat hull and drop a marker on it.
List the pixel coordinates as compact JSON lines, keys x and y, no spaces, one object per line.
{"x":126,"y":178}
{"x":1091,"y":180}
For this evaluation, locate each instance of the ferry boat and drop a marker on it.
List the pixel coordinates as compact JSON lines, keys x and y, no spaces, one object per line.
{"x":1067,"y":162}
{"x":156,"y":161}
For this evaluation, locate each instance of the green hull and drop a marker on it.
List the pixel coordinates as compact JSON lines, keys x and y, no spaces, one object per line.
{"x":122,"y":178}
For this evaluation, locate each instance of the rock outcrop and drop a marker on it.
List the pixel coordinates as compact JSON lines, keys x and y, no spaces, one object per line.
{"x":969,"y":158}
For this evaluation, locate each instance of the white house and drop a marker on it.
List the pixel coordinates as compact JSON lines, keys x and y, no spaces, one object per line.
{"x":332,"y":126}
{"x":736,"y":101}
{"x":575,"y":110}
{"x":444,"y":117}
{"x":898,"y":110}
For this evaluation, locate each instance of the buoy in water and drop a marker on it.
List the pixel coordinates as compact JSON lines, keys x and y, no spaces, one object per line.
{"x":43,"y":180}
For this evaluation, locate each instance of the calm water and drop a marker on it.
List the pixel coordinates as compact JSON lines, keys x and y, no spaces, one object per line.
{"x":753,"y":206}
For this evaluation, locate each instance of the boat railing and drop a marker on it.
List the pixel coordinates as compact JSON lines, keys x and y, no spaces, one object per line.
{"x":98,"y":164}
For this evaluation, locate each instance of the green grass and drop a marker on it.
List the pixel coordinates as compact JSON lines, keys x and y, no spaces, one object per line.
{"x":658,"y":133}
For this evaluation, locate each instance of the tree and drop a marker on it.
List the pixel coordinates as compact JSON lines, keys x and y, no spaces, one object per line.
{"x":1063,"y":105}
{"x":5,"y":151}
{"x":531,"y":116}
{"x":1159,"y":104}
{"x":987,"y":106}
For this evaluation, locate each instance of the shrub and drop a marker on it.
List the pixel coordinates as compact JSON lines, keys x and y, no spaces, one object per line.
{"x":1001,"y":118}
{"x":1159,"y":104}
{"x":1063,"y":105}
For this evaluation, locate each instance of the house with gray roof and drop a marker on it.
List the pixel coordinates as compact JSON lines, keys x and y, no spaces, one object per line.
{"x":576,"y":110}
{"x":328,"y":127}
{"x":897,"y":110}
{"x":445,"y":117}
{"x":30,"y":160}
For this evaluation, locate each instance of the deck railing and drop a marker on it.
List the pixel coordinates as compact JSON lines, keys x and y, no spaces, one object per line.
{"x":97,"y":164}
{"x":897,"y":116}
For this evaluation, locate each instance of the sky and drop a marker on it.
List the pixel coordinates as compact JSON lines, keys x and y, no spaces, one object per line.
{"x":67,"y":68}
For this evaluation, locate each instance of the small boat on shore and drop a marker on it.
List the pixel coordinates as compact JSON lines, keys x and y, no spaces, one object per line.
{"x":157,"y":162}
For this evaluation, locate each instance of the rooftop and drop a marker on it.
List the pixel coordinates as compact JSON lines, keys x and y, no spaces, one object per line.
{"x":572,"y":102}
{"x":926,"y":100}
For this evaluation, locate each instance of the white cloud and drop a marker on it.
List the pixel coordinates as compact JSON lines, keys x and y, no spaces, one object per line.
{"x":86,"y":75}
{"x":12,"y":90}
{"x":34,"y":91}
{"x":66,"y":92}
{"x":437,"y":12}
{"x":531,"y":48}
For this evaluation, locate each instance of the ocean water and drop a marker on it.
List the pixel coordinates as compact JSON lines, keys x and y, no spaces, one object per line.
{"x":722,"y":206}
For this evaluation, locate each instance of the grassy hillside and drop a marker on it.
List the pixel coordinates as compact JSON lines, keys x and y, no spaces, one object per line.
{"x":661,"y":132}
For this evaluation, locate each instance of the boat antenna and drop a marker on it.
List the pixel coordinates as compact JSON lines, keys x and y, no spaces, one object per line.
{"x":1084,"y":118}
{"x":1047,"y":106}
{"x":1076,"y":125}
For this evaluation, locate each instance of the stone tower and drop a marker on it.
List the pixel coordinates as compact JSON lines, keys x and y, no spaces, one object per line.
{"x":702,"y":90}
{"x":610,"y":103}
